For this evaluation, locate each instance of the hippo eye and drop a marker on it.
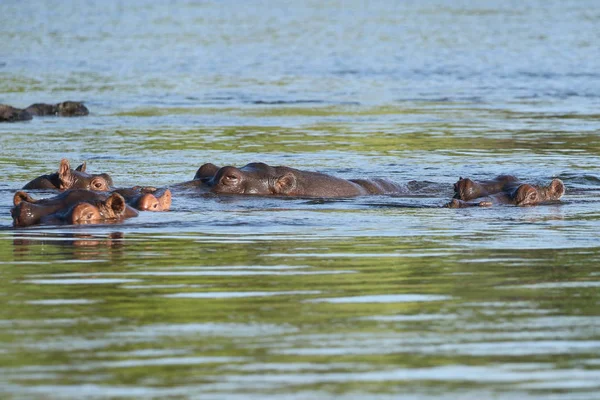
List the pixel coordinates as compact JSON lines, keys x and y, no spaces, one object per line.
{"x":230,"y":180}
{"x":98,"y":184}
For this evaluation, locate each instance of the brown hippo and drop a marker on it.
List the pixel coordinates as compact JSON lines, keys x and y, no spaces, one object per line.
{"x":64,"y":109}
{"x":141,"y":198}
{"x":147,"y":198}
{"x":71,"y":207}
{"x":67,"y":178}
{"x":467,"y":189}
{"x":504,"y":189}
{"x":262,"y":179}
{"x":11,"y":114}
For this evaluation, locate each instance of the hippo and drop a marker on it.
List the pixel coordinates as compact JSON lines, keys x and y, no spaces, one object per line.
{"x":67,"y":178}
{"x":146,"y":198}
{"x":64,"y":109}
{"x":504,"y":189}
{"x":264,"y":180}
{"x":75,"y":206}
{"x":12,"y":114}
{"x":467,"y":189}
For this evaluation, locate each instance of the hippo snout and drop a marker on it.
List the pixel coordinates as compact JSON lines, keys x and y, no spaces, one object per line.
{"x":23,"y":215}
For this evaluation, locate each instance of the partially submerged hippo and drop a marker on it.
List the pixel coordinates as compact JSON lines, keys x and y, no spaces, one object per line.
{"x":12,"y":114}
{"x":67,"y":178}
{"x":64,"y":109}
{"x":504,"y":189}
{"x":467,"y":189}
{"x":262,"y":179}
{"x":147,"y":198}
{"x":141,"y":198}
{"x":70,"y":207}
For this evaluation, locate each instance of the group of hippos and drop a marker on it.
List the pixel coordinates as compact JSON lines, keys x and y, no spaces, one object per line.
{"x":91,"y":198}
{"x":64,"y":109}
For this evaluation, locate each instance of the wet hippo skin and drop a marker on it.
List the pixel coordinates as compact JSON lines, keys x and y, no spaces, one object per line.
{"x":146,"y":198}
{"x":140,"y":198}
{"x":67,"y":178}
{"x":262,"y":179}
{"x":505,"y":189}
{"x":467,"y":189}
{"x":64,"y":109}
{"x":71,"y":207}
{"x":12,"y":114}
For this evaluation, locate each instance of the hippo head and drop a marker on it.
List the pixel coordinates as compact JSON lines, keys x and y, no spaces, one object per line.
{"x":71,"y":109}
{"x":79,"y":179}
{"x":24,"y":212}
{"x":150,"y":200}
{"x":66,"y":178}
{"x":468,"y":189}
{"x":254,"y":178}
{"x":526,"y":195}
{"x":100,"y":211}
{"x":72,"y":206}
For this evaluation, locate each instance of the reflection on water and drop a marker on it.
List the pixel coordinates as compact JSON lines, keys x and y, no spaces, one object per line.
{"x":228,"y":317}
{"x":374,"y":297}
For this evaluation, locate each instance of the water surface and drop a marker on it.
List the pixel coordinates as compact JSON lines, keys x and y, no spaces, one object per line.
{"x":373,"y":297}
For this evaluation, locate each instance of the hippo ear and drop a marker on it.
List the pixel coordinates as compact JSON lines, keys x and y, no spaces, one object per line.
{"x":556,"y":189}
{"x":64,"y":175}
{"x":206,"y":171}
{"x":21,"y":196}
{"x":116,"y":203}
{"x":165,"y":200}
{"x":285,"y":184}
{"x":146,"y":189}
{"x":64,"y":166}
{"x":81,"y":168}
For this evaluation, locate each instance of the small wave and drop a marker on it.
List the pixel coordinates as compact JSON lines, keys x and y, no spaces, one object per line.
{"x":581,"y":181}
{"x":283,"y":102}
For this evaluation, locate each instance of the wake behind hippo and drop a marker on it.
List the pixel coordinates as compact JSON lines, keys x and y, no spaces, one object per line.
{"x":264,"y":180}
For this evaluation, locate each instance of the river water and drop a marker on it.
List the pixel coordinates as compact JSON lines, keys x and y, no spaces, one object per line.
{"x":254,"y":298}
